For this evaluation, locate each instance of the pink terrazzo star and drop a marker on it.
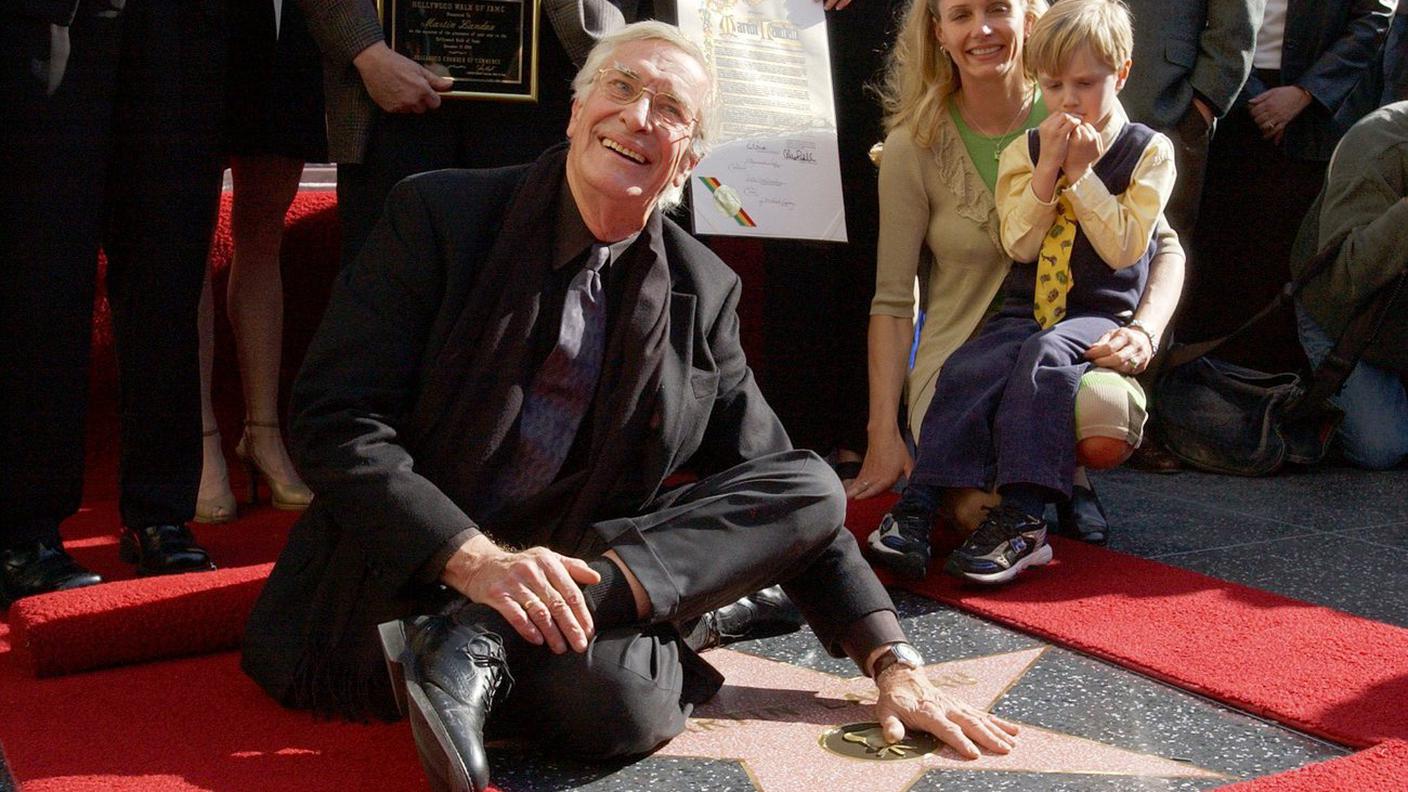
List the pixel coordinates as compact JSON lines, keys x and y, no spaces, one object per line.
{"x":770,"y":717}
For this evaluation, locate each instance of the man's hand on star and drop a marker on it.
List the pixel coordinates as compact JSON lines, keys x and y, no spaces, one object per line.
{"x":909,"y":699}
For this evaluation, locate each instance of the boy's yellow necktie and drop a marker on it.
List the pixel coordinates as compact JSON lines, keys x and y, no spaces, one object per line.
{"x":1053,"y":267}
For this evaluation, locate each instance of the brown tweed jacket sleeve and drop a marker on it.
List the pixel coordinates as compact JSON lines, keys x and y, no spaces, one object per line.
{"x":343,"y":28}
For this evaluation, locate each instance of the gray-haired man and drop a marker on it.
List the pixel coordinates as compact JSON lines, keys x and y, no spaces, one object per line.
{"x":521,"y":358}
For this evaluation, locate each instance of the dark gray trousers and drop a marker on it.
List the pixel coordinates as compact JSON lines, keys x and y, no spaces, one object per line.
{"x":1191,"y":138}
{"x":776,"y":519}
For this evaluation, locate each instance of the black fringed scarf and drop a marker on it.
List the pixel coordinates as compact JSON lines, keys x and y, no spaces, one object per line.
{"x":464,"y":424}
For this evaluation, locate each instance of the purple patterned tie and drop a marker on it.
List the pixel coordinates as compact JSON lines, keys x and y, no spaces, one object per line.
{"x":554,"y":405}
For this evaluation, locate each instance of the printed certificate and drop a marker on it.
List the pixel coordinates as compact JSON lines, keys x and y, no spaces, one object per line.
{"x":774,"y":171}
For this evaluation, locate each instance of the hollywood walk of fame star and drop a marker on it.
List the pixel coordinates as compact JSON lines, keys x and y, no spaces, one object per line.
{"x":772,"y":719}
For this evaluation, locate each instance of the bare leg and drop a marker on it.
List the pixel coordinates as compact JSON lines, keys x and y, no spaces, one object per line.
{"x":264,"y":189}
{"x":214,"y":501}
{"x":965,"y":507}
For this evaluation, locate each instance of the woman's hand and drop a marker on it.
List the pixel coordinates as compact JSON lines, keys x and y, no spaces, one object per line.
{"x":1123,"y":349}
{"x":885,"y":461}
{"x":1276,"y":108}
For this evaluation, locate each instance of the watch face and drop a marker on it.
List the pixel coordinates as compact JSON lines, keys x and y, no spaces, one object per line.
{"x":908,"y":655}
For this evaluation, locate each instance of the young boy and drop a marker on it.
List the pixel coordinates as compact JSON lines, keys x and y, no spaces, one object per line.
{"x":1077,"y":200}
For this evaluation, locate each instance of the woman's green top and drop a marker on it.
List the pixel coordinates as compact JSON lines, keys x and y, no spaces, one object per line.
{"x":985,"y":150}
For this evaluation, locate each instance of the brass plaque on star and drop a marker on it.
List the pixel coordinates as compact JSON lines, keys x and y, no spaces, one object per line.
{"x":867,"y":741}
{"x":488,"y":47}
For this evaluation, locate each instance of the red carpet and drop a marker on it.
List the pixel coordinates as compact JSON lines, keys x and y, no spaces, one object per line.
{"x":1329,"y":673}
{"x":135,"y":620}
{"x":1383,"y":767}
{"x":1323,"y":671}
{"x":198,"y":723}
{"x":186,"y":724}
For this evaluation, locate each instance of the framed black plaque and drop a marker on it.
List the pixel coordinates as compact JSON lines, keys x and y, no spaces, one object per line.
{"x":488,"y":47}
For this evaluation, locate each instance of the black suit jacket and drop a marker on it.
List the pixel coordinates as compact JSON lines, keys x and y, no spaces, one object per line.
{"x":358,"y":556}
{"x":1327,"y":50}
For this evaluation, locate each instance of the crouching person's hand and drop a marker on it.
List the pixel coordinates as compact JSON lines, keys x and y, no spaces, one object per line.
{"x":909,"y":700}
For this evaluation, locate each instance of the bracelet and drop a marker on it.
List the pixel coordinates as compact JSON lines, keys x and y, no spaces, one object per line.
{"x":1143,"y":328}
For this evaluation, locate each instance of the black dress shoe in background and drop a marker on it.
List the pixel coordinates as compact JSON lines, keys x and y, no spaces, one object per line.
{"x":762,"y":614}
{"x":163,"y":550}
{"x":39,"y":567}
{"x":1082,"y":517}
{"x":447,"y":673}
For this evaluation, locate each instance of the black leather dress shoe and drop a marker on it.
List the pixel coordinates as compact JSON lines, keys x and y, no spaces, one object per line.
{"x":163,"y":550}
{"x":1082,"y":517}
{"x":447,"y":674}
{"x":762,"y":614}
{"x":39,"y":567}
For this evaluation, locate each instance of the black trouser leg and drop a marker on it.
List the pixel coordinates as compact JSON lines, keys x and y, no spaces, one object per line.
{"x":400,"y":145}
{"x":768,"y":520}
{"x":163,"y":195}
{"x":775,"y":519}
{"x":53,"y":162}
{"x":629,"y":692}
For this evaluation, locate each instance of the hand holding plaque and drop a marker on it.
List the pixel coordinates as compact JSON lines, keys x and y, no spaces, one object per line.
{"x":489,"y":48}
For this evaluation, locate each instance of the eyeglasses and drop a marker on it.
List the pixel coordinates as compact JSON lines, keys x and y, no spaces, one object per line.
{"x":666,"y":109}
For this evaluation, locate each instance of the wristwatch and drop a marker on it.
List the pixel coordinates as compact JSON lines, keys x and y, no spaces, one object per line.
{"x":1143,"y":328}
{"x":897,"y":653}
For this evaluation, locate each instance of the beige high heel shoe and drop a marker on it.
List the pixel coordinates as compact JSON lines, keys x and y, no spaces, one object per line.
{"x":215,"y":502}
{"x":287,"y":495}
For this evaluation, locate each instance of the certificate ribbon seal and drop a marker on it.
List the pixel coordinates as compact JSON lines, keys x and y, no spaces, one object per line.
{"x":728,"y":201}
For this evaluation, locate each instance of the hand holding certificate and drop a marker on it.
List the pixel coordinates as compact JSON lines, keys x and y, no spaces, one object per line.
{"x":488,"y":47}
{"x":775,"y":171}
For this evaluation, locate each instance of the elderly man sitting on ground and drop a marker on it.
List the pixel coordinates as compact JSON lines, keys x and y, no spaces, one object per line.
{"x":520,"y":358}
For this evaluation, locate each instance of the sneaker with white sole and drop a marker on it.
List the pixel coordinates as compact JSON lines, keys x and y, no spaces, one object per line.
{"x":1007,"y":541}
{"x":901,"y":544}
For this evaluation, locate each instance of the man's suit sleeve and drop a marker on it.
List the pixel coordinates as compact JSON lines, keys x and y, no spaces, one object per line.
{"x":1225,"y":50}
{"x":1340,"y":67}
{"x":741,"y":425}
{"x":342,"y":28}
{"x":356,"y":388}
